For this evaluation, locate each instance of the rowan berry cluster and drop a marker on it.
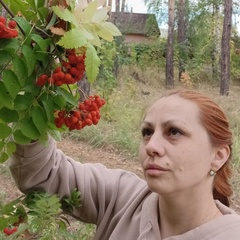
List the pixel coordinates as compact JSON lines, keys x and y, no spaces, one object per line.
{"x":70,"y":71}
{"x":8,"y":231}
{"x":86,"y":114}
{"x":7,"y":30}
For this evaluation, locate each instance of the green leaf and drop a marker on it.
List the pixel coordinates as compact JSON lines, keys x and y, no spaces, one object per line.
{"x":11,"y":82}
{"x":59,"y":101}
{"x":5,"y":130}
{"x":5,"y":98}
{"x":8,"y":115}
{"x":65,"y":14}
{"x":11,"y":148}
{"x":3,"y":220}
{"x":5,"y":57}
{"x":40,"y":41}
{"x":10,"y":45}
{"x":39,"y":118}
{"x":20,"y":70}
{"x":23,"y":23}
{"x":23,"y":102}
{"x":68,"y":97}
{"x":2,"y":144}
{"x":48,"y":107}
{"x":19,"y":138}
{"x":29,"y":59}
{"x":55,"y":134}
{"x":92,"y":63}
{"x":3,"y":157}
{"x":29,"y":129}
{"x":89,"y":11}
{"x":73,"y":39}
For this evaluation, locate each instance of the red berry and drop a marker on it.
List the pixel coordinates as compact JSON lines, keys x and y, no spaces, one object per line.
{"x":73,"y":119}
{"x":12,"y":24}
{"x":88,"y":122}
{"x":3,"y":20}
{"x":77,"y":114}
{"x":72,"y":59}
{"x":57,"y":69}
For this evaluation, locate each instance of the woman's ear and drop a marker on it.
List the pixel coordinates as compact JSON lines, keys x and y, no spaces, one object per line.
{"x":221,"y":156}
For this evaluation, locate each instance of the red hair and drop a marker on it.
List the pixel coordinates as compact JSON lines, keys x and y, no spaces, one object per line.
{"x":215,"y":122}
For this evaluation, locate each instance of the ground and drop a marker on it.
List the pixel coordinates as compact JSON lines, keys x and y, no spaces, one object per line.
{"x":85,"y":153}
{"x":81,"y":152}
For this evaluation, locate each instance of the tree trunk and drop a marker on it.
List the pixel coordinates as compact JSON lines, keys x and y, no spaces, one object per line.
{"x":225,"y":51}
{"x":169,"y":54}
{"x":123,"y":6}
{"x":216,"y":39}
{"x":117,"y":6}
{"x":181,"y":36}
{"x":83,"y":88}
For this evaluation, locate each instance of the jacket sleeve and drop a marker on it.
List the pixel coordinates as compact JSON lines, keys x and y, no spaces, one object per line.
{"x":44,"y":167}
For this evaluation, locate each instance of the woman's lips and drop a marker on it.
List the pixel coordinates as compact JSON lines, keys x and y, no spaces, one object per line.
{"x":154,"y":169}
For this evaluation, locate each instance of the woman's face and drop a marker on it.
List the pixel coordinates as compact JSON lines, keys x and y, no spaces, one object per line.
{"x":175,"y":151}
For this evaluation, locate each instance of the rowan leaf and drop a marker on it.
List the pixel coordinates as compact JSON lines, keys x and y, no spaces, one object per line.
{"x":40,"y":41}
{"x":11,"y":82}
{"x":68,"y":97}
{"x":5,"y":97}
{"x":101,"y":15}
{"x":29,"y":58}
{"x":19,"y":138}
{"x":5,"y":57}
{"x":5,"y":130}
{"x":89,"y":11}
{"x":73,"y":39}
{"x":65,"y":14}
{"x":20,"y":70}
{"x":29,"y":129}
{"x":8,"y":115}
{"x":105,"y":34}
{"x":11,"y":148}
{"x":92,"y":63}
{"x":23,"y":102}
{"x":39,"y":118}
{"x":3,"y":158}
{"x":110,"y":27}
{"x":47,"y":103}
{"x":23,"y":23}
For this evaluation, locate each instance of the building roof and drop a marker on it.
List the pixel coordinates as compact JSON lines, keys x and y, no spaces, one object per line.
{"x":135,"y":23}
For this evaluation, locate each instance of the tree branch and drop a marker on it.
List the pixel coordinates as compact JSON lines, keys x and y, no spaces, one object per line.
{"x":7,"y":8}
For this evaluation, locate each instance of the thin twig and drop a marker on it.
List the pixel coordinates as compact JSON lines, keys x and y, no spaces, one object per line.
{"x":7,"y":8}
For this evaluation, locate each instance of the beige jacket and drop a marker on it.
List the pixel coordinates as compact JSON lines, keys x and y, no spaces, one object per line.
{"x":117,"y":201}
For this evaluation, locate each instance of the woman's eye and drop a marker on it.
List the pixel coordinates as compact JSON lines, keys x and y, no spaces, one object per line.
{"x":147,"y":132}
{"x":174,"y":132}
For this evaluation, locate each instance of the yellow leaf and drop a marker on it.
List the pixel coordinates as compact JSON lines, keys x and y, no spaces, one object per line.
{"x":95,"y":39}
{"x":110,"y":28}
{"x":101,"y":15}
{"x":89,"y":11}
{"x":105,"y":34}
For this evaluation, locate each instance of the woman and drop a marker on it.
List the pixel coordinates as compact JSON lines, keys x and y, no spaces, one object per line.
{"x":184,"y":153}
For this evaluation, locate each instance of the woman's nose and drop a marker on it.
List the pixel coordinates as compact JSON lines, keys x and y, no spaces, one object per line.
{"x":155,"y":146}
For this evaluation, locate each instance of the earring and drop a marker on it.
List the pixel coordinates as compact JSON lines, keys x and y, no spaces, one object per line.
{"x":212,"y":173}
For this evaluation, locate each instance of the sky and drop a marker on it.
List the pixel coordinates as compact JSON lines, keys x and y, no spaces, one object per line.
{"x":138,"y":6}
